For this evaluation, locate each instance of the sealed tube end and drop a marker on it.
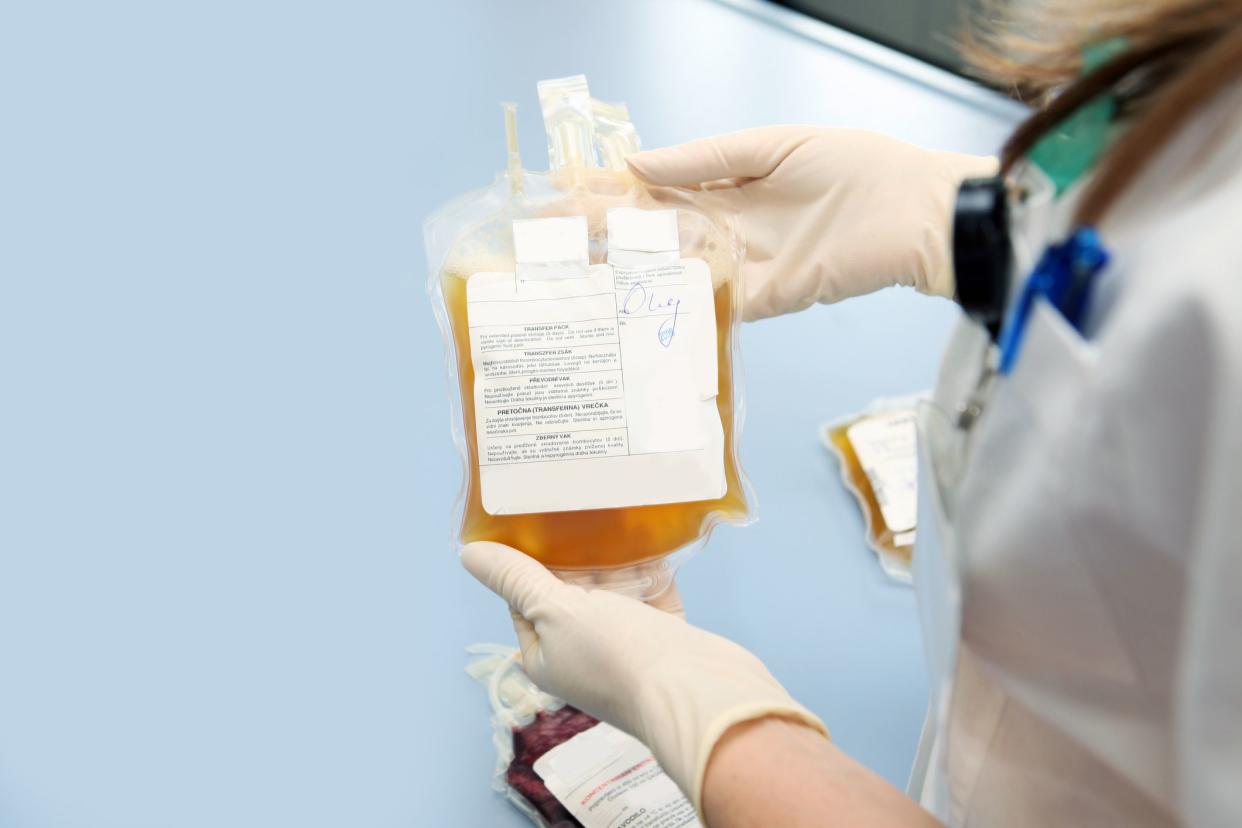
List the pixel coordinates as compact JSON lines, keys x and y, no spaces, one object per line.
{"x":514,"y":166}
{"x":567,"y":119}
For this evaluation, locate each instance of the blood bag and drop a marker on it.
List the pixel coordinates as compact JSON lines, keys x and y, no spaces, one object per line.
{"x":878,"y":459}
{"x":564,"y":768}
{"x":591,"y":326}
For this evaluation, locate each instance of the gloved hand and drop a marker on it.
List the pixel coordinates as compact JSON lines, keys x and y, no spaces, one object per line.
{"x":826,"y":213}
{"x":673,"y":686}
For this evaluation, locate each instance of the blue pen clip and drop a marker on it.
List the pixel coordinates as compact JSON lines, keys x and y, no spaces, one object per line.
{"x":1064,"y":276}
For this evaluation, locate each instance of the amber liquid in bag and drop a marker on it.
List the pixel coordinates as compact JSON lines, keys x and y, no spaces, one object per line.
{"x":878,"y":529}
{"x":595,"y":538}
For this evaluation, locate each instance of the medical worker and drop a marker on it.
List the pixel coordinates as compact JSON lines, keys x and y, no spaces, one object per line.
{"x":1079,"y":567}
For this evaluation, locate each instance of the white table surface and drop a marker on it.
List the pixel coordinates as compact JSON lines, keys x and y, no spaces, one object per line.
{"x":227,"y":595}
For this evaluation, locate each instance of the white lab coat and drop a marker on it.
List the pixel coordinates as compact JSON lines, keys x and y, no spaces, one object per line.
{"x":1079,"y":567}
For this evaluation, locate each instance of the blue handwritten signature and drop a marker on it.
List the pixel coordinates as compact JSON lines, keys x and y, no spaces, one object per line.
{"x":639,"y":299}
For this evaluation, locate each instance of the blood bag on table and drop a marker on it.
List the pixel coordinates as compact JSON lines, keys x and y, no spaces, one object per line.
{"x":591,"y":324}
{"x":878,"y":459}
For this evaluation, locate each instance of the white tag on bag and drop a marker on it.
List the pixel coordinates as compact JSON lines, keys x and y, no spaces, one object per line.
{"x":595,"y":390}
{"x":607,"y":778}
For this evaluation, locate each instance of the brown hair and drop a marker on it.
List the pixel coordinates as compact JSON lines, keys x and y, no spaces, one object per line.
{"x":1178,"y":54}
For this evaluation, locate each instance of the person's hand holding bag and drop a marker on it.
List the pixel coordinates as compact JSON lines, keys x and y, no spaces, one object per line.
{"x":826,"y":213}
{"x":673,"y":686}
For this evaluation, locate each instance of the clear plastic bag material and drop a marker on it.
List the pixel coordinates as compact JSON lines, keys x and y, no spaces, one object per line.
{"x":564,"y":768}
{"x":591,"y":324}
{"x":877,"y":454}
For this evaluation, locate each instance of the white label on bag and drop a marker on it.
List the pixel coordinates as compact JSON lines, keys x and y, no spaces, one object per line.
{"x":597,"y":390}
{"x":608,"y":779}
{"x":886,"y":448}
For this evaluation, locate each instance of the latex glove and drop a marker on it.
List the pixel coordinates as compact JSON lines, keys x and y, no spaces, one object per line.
{"x":673,"y":686}
{"x":826,"y":213}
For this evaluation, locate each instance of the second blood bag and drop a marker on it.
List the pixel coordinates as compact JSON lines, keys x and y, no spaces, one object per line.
{"x":564,"y":768}
{"x":591,"y":327}
{"x":878,"y":458}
